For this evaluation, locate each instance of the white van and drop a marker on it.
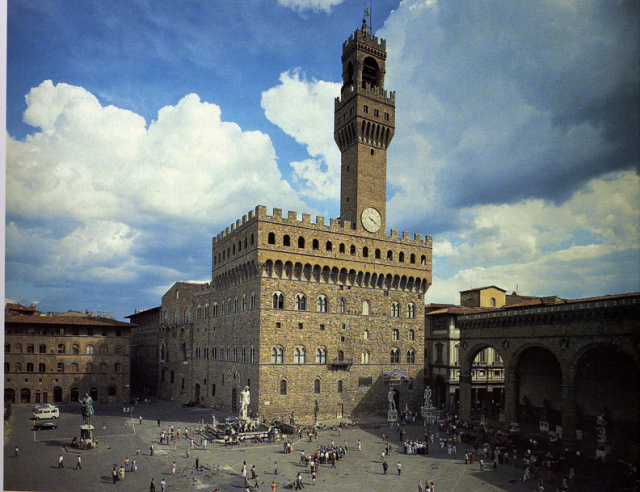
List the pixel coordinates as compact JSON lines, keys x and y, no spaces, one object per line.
{"x":46,"y":413}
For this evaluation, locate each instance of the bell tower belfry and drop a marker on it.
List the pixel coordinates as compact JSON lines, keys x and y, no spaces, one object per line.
{"x":364,"y":124}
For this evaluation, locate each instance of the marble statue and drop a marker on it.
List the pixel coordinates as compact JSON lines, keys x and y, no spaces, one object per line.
{"x":245,"y":399}
{"x":427,"y":397}
{"x":392,"y":402}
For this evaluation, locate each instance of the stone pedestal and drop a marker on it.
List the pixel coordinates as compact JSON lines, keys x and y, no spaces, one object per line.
{"x":392,"y":416}
{"x":86,"y":432}
{"x":430,"y":413}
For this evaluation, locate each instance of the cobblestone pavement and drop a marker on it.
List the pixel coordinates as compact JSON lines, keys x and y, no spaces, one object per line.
{"x":120,"y":436}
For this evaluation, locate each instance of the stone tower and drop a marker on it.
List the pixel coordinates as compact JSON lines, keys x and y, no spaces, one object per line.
{"x":364,"y":126}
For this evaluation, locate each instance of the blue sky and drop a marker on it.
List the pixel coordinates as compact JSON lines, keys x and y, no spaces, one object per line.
{"x":137,"y":130}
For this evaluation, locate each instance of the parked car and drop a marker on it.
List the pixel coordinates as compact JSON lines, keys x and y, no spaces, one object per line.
{"x":190,"y":404}
{"x":46,"y":426}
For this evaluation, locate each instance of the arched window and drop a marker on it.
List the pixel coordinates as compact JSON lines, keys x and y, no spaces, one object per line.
{"x":412,"y":258}
{"x":103,"y":368}
{"x":315,"y":244}
{"x":300,"y":242}
{"x":299,"y":355}
{"x":271,"y":239}
{"x":199,"y":312}
{"x":412,"y":335}
{"x":365,"y":252}
{"x":365,"y":334}
{"x":7,"y":367}
{"x":206,"y":310}
{"x":30,"y":348}
{"x":301,"y":302}
{"x":395,"y":334}
{"x":278,"y":300}
{"x":423,"y":260}
{"x":61,"y":349}
{"x":253,"y":300}
{"x":18,"y":367}
{"x":118,"y":350}
{"x":365,"y":308}
{"x":183,"y":352}
{"x":401,"y":257}
{"x":329,"y":246}
{"x":321,"y":304}
{"x":353,"y":250}
{"x":104,"y":350}
{"x":395,"y":310}
{"x":215,"y":309}
{"x":394,"y":356}
{"x":340,"y":355}
{"x":340,"y":386}
{"x":235,"y":304}
{"x":75,"y":348}
{"x":88,"y":368}
{"x":42,"y":349}
{"x":244,"y":302}
{"x":365,"y":357}
{"x":321,"y":355}
{"x":187,"y":315}
{"x":7,"y":347}
{"x":74,"y":367}
{"x":341,"y":248}
{"x":42,"y":367}
{"x":283,"y":387}
{"x":18,"y":348}
{"x":286,"y":240}
{"x":411,"y":356}
{"x":30,"y":367}
{"x":377,"y":254}
{"x":493,"y":302}
{"x":172,"y":377}
{"x":390,"y":255}
{"x":316,"y":386}
{"x":163,"y":352}
{"x":411,"y":311}
{"x":342,"y":305}
{"x":60,"y":366}
{"x":277,"y":355}
{"x":176,"y":317}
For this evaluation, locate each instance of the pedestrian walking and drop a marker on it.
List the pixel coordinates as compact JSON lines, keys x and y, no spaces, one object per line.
{"x":17,"y":455}
{"x":158,"y":423}
{"x":79,"y":463}
{"x":313,"y":477}
{"x":197,"y":463}
{"x":173,"y":468}
{"x":481,"y":465}
{"x":163,"y":485}
{"x":385,"y":467}
{"x":152,"y":486}
{"x":114,"y":474}
{"x":273,"y":487}
{"x":420,"y":489}
{"x":399,"y":468}
{"x":134,"y":466}
{"x":151,"y":449}
{"x":495,"y":464}
{"x":359,"y":445}
{"x":140,"y":419}
{"x":126,"y":463}
{"x":121,"y":473}
{"x":275,"y":468}
{"x":60,"y":462}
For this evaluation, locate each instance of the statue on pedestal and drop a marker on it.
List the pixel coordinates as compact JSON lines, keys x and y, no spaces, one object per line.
{"x":87,"y":408}
{"x":427,"y":398}
{"x":245,"y":399}
{"x":392,"y":402}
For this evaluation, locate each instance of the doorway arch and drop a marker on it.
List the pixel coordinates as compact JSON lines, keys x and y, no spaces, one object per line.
{"x":196,"y":396}
{"x":57,"y":394}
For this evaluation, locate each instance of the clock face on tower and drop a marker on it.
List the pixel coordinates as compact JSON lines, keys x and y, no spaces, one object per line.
{"x":371,"y":219}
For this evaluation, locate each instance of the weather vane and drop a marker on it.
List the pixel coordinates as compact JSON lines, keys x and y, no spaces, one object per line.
{"x":367,"y":11}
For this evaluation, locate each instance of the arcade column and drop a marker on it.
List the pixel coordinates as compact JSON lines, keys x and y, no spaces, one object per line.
{"x":465,"y":397}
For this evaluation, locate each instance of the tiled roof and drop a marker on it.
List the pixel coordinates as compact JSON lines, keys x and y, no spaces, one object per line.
{"x":64,"y":320}
{"x":482,"y":288}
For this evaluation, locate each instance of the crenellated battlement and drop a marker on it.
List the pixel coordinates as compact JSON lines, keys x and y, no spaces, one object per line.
{"x":365,"y":37}
{"x":335,"y":225}
{"x":376,"y":93}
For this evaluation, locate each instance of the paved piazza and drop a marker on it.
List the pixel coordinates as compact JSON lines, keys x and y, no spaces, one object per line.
{"x":37,"y":466}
